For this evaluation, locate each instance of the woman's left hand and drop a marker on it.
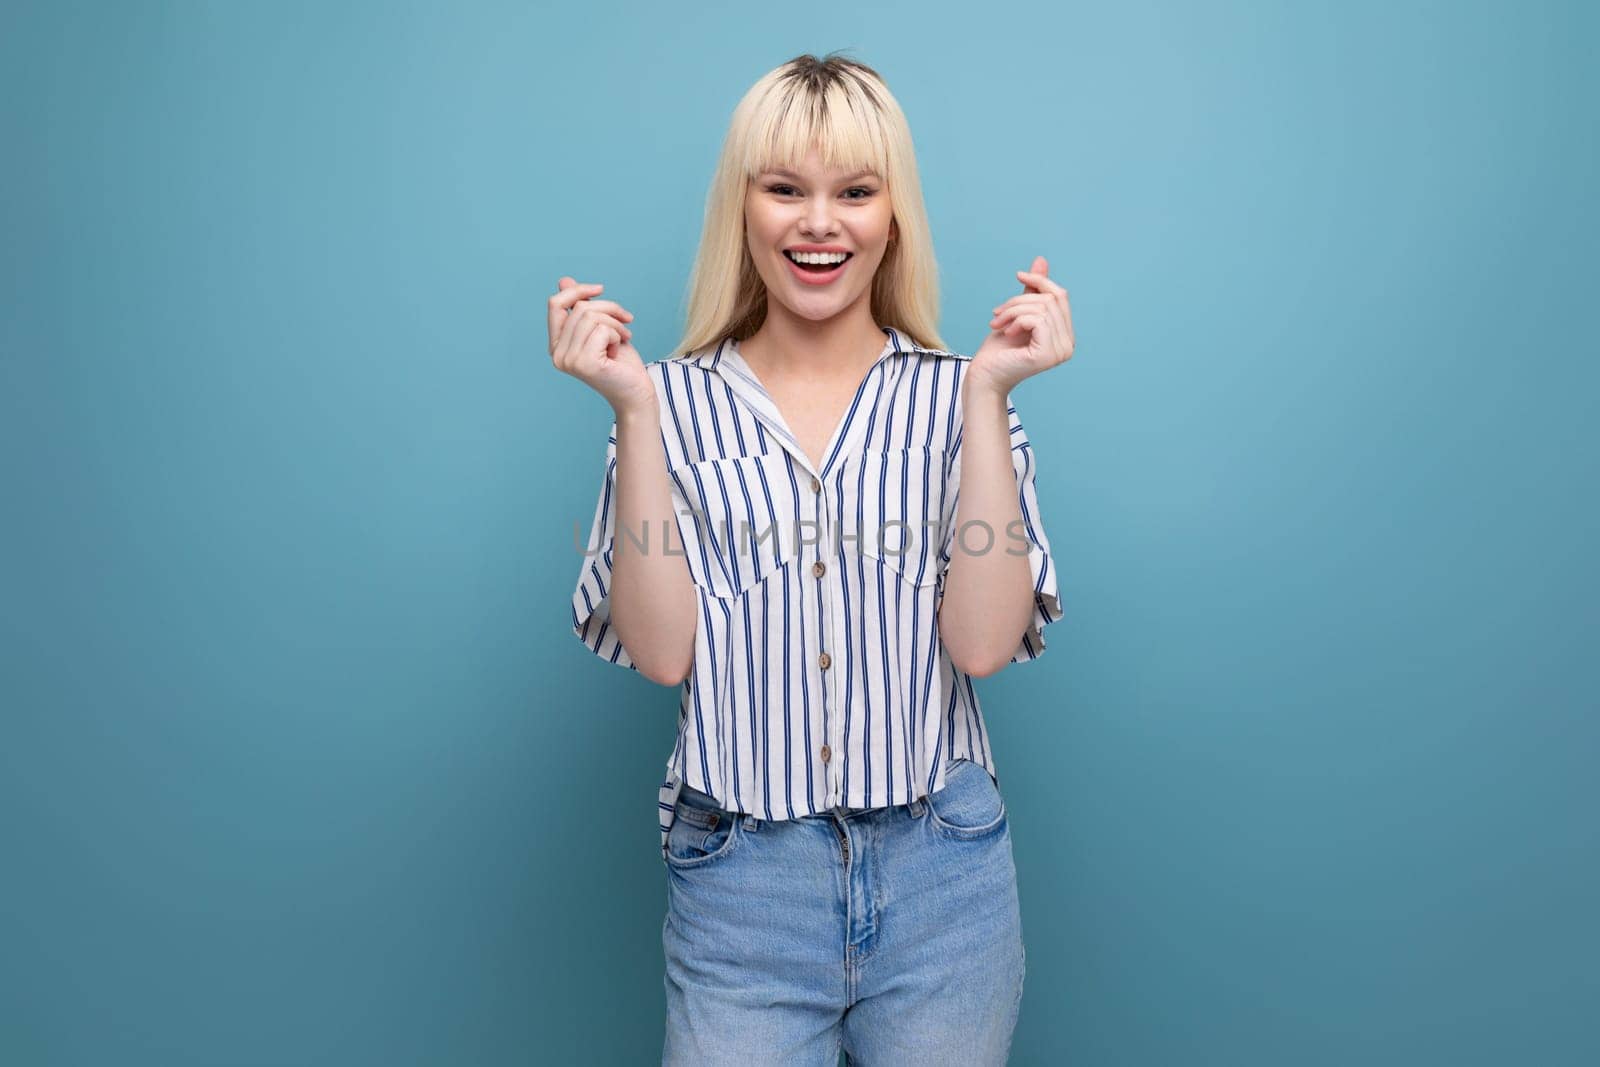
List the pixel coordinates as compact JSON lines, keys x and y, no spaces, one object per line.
{"x":1029,"y":333}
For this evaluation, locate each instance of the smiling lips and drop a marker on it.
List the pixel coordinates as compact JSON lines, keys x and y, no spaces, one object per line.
{"x":814,"y":276}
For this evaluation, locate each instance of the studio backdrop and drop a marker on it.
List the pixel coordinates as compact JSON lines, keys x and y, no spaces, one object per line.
{"x":301,"y":763}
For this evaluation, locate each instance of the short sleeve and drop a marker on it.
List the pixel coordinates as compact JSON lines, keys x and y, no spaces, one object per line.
{"x":591,"y":600}
{"x":1046,"y":596}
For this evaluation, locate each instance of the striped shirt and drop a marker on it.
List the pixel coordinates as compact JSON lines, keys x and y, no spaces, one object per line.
{"x":819,"y":676}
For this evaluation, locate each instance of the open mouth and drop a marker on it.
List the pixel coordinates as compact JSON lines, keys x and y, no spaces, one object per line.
{"x":815,"y":264}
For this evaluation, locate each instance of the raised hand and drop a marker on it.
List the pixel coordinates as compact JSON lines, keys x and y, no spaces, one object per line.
{"x":590,"y":340}
{"x":1031,"y":332}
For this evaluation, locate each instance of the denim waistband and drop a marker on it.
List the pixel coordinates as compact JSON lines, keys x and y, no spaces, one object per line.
{"x":691,"y":797}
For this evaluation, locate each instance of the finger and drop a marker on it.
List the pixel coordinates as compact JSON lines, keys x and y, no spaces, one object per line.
{"x":569,"y":330}
{"x":606,"y":308}
{"x":601,"y":334}
{"x":1028,"y":321}
{"x":1039,"y":267}
{"x":610,"y":306}
{"x":1061,"y":319}
{"x":1018,"y":304}
{"x":590,"y":311}
{"x":1040,"y":281}
{"x":1025,"y":298}
{"x":561,"y":302}
{"x":1043,"y":322}
{"x":571,"y":294}
{"x":1052,"y":336}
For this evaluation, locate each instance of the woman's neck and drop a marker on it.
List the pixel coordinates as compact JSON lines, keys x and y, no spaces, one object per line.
{"x":786,"y":346}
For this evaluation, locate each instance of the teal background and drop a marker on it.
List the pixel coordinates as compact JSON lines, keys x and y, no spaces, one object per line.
{"x":300,"y":764}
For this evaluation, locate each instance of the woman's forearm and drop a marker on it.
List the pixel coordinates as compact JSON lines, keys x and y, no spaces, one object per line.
{"x":653,"y":603}
{"x":988,"y":592}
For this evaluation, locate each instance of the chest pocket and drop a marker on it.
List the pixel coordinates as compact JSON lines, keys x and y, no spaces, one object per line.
{"x":738,"y":520}
{"x":893,"y":499}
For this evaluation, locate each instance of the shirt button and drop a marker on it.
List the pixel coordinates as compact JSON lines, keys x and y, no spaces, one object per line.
{"x":816,"y":486}
{"x":827,"y":753}
{"x":824,"y":660}
{"x":817,"y":568}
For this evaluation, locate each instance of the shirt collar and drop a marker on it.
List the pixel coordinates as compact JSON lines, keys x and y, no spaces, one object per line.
{"x":724,"y":359}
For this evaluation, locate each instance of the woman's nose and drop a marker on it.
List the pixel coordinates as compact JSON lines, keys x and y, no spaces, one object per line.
{"x":819,"y":219}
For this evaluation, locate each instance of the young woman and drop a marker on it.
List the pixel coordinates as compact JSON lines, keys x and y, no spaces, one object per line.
{"x":854,"y":535}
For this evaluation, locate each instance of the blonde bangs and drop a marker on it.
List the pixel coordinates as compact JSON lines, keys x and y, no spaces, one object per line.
{"x":841,"y":119}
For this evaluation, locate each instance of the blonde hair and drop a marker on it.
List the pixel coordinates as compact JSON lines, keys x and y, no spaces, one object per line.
{"x":844,"y":109}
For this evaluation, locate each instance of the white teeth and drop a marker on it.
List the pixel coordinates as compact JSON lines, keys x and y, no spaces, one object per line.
{"x":817,"y":257}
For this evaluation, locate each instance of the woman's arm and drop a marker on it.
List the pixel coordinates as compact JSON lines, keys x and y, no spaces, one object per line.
{"x":993,"y":589}
{"x":653,"y":601}
{"x":651,"y":596}
{"x":988,"y":592}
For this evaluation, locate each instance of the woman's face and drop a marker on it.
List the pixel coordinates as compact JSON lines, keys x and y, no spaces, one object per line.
{"x":803,"y":213}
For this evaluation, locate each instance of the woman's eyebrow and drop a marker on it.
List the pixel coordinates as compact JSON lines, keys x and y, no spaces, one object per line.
{"x":780,"y":172}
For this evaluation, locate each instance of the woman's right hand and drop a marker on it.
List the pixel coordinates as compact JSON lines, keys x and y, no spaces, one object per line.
{"x":590,"y":340}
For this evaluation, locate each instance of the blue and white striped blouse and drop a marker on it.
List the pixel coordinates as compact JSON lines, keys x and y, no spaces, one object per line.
{"x":819,"y":677}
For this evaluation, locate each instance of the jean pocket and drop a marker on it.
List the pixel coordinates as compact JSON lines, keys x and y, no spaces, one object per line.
{"x":970,"y":804}
{"x":701,"y":831}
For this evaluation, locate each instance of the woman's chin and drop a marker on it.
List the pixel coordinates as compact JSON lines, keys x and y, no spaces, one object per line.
{"x":817,"y":306}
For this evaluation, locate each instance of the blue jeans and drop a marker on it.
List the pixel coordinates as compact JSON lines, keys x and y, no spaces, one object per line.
{"x":893,"y":933}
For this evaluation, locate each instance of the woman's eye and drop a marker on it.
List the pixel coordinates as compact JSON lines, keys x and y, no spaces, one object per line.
{"x":785,"y":190}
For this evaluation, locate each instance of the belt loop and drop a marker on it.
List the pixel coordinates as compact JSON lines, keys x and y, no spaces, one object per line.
{"x":916,"y":808}
{"x":751,"y":822}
